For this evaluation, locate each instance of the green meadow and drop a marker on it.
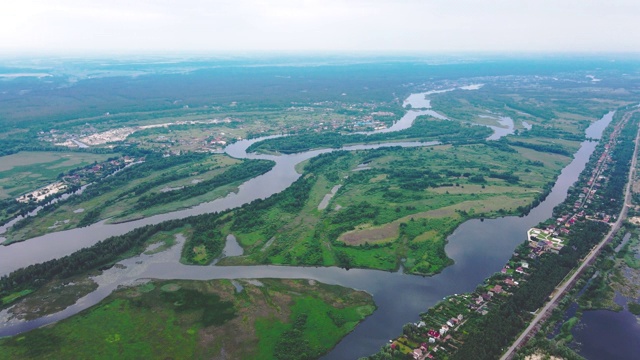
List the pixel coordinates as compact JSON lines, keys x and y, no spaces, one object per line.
{"x":201,"y":320}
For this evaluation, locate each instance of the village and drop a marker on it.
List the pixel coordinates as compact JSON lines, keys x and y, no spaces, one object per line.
{"x":439,"y":331}
{"x":213,"y":140}
{"x":76,"y":178}
{"x":90,"y":137}
{"x":584,"y":197}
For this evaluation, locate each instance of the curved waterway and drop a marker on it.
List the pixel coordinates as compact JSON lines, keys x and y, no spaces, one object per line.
{"x":479,"y":248}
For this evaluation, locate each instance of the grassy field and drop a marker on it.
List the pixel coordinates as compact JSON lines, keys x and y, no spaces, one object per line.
{"x":120,"y":203}
{"x":194,"y":320}
{"x":402,"y":206}
{"x":29,"y":170}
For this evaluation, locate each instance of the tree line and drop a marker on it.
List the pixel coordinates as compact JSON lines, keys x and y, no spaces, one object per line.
{"x":423,"y":129}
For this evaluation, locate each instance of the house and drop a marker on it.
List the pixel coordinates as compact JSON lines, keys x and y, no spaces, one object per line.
{"x":520,"y":270}
{"x":497,"y":289}
{"x":417,"y":354}
{"x":449,"y":323}
{"x":444,"y":329}
{"x":525,"y":265}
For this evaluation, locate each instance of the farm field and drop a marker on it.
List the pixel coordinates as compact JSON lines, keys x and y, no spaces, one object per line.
{"x":202,"y":319}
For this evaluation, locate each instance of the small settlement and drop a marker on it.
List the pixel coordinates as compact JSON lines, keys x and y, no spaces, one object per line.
{"x":76,"y":178}
{"x":439,"y":330}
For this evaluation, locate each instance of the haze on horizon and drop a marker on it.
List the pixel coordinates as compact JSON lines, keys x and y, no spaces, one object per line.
{"x":123,"y":26}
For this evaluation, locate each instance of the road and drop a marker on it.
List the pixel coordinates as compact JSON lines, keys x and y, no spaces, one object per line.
{"x":562,"y":287}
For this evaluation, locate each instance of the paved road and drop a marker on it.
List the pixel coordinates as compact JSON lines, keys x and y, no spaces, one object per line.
{"x":562,"y":287}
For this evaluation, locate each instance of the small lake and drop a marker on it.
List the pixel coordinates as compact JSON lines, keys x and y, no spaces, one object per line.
{"x":603,"y":334}
{"x":478,"y":248}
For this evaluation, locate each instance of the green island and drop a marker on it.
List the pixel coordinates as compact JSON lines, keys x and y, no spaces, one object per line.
{"x":390,"y":204}
{"x":203,"y":319}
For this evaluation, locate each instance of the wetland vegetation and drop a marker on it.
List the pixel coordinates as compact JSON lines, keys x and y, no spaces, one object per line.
{"x":266,"y":319}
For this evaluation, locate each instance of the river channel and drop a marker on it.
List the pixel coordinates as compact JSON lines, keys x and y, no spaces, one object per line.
{"x":478,"y":248}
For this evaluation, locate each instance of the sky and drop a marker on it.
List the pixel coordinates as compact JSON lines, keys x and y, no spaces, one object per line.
{"x":434,"y":26}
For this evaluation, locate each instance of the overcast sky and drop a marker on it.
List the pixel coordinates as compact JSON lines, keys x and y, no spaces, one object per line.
{"x":126,"y":26}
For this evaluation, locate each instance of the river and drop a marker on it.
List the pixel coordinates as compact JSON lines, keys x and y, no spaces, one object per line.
{"x":478,"y":248}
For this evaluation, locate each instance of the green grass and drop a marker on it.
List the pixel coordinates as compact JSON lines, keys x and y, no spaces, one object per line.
{"x":326,"y":325}
{"x":565,"y":331}
{"x":13,"y":297}
{"x":372,"y":205}
{"x":634,"y":308}
{"x":196,"y":319}
{"x":115,"y":329}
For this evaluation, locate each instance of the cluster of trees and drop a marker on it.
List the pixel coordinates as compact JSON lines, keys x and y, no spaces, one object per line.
{"x":550,"y":148}
{"x":292,"y":345}
{"x":252,"y":216}
{"x":205,"y":233}
{"x":103,"y":254}
{"x":552,"y":133}
{"x":506,"y":176}
{"x":236,"y":173}
{"x":423,"y":129}
{"x":544,"y":113}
